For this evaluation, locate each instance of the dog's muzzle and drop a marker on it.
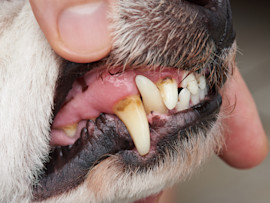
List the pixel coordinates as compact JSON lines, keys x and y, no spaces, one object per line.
{"x":218,"y":21}
{"x":158,"y":86}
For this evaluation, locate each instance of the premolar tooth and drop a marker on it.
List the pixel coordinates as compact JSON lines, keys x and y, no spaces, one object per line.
{"x":169,"y":92}
{"x":184,"y":99}
{"x":70,"y":130}
{"x":130,"y":110}
{"x":190,"y":82}
{"x":150,"y":94}
{"x":202,"y":82}
{"x":195,"y":98}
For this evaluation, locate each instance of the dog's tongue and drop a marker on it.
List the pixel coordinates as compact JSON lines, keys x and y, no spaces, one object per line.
{"x":98,"y":93}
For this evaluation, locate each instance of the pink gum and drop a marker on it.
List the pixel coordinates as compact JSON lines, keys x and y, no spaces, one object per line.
{"x":104,"y":92}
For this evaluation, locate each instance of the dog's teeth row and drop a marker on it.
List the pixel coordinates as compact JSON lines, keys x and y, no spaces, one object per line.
{"x":163,"y":95}
{"x":192,"y":94}
{"x":160,"y":97}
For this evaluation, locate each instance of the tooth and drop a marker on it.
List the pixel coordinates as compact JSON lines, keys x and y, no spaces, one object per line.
{"x":184,"y":99}
{"x":70,"y":130}
{"x":202,"y":94}
{"x":195,"y":98}
{"x":202,"y":82}
{"x":169,"y":92}
{"x":150,"y":95}
{"x":190,"y":82}
{"x":130,"y":110}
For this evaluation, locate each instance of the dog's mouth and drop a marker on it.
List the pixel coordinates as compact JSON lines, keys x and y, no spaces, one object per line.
{"x":135,"y":114}
{"x":154,"y":97}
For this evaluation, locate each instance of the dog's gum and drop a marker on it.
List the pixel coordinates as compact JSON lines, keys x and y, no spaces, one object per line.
{"x":103,"y":92}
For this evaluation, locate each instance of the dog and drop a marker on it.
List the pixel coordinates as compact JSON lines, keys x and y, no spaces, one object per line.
{"x":171,"y":43}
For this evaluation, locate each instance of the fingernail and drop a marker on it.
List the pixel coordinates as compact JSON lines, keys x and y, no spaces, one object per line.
{"x":84,"y":28}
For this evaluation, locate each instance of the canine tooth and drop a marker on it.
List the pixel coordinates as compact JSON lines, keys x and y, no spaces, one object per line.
{"x":130,"y":110}
{"x":202,"y":82}
{"x":184,"y":99}
{"x":152,"y":99}
{"x":190,"y":82}
{"x":195,"y":98}
{"x":169,"y":92}
{"x":70,"y":130}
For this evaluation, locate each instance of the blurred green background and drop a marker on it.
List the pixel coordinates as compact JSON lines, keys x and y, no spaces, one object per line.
{"x":216,"y":182}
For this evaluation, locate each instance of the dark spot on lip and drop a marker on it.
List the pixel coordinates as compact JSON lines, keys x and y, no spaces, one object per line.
{"x":69,"y":165}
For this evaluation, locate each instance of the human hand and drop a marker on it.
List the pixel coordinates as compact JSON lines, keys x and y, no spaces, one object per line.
{"x":246,"y":142}
{"x":78,"y":31}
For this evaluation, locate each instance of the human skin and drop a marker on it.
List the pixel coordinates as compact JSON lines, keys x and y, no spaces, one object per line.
{"x":246,"y":142}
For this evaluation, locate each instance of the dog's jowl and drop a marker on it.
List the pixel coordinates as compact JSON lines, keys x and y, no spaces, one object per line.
{"x":120,"y":129}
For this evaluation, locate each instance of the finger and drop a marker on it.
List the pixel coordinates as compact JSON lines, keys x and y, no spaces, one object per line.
{"x":246,"y":142}
{"x":76,"y":29}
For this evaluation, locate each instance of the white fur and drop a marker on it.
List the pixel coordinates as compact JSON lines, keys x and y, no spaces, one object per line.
{"x":28,"y":70}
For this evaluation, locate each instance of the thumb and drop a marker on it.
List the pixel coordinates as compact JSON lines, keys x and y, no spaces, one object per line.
{"x":246,"y":144}
{"x":76,"y":29}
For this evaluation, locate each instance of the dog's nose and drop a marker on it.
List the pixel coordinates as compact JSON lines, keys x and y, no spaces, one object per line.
{"x":218,"y":20}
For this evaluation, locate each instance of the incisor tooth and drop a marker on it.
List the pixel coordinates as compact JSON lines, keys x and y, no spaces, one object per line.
{"x":202,"y":82}
{"x":130,"y":110}
{"x":169,"y":92}
{"x":202,"y":94}
{"x":195,"y":98}
{"x":151,"y":97}
{"x":190,"y":82}
{"x":70,"y":130}
{"x":184,"y":99}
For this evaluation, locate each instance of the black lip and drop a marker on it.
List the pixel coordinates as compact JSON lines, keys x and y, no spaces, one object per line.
{"x":108,"y":135}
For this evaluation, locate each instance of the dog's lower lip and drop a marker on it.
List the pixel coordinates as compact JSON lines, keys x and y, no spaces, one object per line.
{"x":72,"y":165}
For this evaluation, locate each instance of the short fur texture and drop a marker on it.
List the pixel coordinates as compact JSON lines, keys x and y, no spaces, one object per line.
{"x":28,"y":73}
